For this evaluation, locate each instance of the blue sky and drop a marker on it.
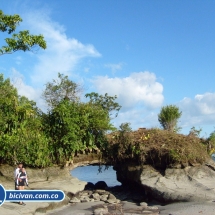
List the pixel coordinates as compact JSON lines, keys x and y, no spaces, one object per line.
{"x":148,"y":53}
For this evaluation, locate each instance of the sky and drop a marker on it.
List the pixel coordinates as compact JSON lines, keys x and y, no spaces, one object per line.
{"x":149,"y":53}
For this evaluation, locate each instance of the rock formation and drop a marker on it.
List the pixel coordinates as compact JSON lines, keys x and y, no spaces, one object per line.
{"x":192,"y":183}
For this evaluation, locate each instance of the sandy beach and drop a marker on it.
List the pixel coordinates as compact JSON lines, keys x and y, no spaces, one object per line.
{"x":188,"y":208}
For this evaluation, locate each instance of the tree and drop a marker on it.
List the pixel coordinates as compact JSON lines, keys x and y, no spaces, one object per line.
{"x":8,"y":105}
{"x":168,"y":117}
{"x":125,"y":127}
{"x":61,"y":89}
{"x":62,"y":127}
{"x":21,"y":134}
{"x":20,"y":41}
{"x":106,"y":102}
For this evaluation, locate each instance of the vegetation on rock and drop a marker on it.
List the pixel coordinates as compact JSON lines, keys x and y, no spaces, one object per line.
{"x":156,"y":147}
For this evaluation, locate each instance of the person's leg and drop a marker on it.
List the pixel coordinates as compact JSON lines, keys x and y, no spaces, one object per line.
{"x":21,"y":188}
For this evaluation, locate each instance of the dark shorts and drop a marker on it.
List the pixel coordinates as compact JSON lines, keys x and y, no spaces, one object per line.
{"x":22,"y":183}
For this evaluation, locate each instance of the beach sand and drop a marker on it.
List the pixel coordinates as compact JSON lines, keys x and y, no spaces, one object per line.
{"x":184,"y":208}
{"x":188,"y":208}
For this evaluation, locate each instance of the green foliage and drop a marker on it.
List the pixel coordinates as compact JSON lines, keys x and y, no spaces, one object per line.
{"x":21,"y":41}
{"x":211,"y":143}
{"x":60,"y":89}
{"x":73,"y":126}
{"x":168,"y":117}
{"x":62,"y":127}
{"x":9,"y":23}
{"x":106,"y":102}
{"x":212,"y":136}
{"x":26,"y":145}
{"x":125,"y":127}
{"x":21,"y":135}
{"x":8,"y":104}
{"x":40,"y":139}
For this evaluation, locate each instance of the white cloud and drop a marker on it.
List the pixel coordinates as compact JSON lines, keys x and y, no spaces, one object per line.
{"x":138,"y":118}
{"x":198,"y":111}
{"x":31,"y":93}
{"x":62,"y":53}
{"x":140,"y":88}
{"x":114,"y":67}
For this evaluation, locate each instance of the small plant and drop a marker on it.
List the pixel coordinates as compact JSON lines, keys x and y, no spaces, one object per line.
{"x":195,"y":132}
{"x":168,"y":118}
{"x":211,"y":143}
{"x":125,"y":127}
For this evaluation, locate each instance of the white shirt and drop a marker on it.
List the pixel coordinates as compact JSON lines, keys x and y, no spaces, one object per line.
{"x":22,"y":177}
{"x":16,"y":172}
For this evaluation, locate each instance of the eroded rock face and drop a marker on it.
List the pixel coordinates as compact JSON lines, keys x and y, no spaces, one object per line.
{"x":193,"y":183}
{"x":36,"y":174}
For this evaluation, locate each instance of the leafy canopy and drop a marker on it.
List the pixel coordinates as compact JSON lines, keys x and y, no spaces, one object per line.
{"x":107,"y":102}
{"x":61,"y":89}
{"x":20,"y":41}
{"x":21,"y":135}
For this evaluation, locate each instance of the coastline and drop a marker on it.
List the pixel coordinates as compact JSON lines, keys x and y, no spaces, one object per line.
{"x":57,"y":178}
{"x":74,"y":185}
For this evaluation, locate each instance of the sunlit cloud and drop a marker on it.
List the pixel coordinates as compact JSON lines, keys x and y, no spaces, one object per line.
{"x":138,"y":118}
{"x":62,"y":53}
{"x":140,"y":88}
{"x":198,"y":111}
{"x":18,"y":81}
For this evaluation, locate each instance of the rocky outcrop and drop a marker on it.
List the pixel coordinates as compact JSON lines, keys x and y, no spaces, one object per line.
{"x":38,"y":174}
{"x":111,"y":202}
{"x":51,"y":178}
{"x":192,"y":183}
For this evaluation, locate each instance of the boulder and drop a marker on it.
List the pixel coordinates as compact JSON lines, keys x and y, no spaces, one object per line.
{"x":101,"y":185}
{"x":192,"y":183}
{"x":89,"y":186}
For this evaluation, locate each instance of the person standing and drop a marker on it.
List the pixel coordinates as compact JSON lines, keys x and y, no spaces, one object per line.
{"x":22,"y":180}
{"x":16,"y":172}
